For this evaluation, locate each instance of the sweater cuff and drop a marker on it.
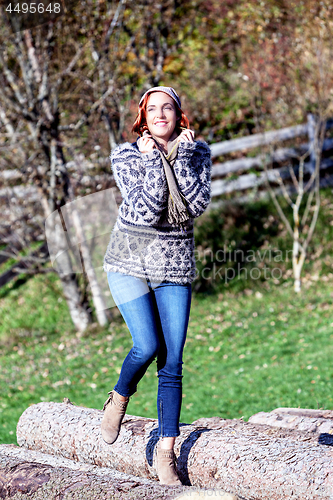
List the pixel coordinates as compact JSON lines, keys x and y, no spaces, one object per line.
{"x":152,"y":159}
{"x":152,"y":155}
{"x":186,"y":148}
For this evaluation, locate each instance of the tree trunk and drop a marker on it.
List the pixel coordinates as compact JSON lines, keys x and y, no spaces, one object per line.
{"x":305,"y":412}
{"x":252,"y":461}
{"x":316,"y":421}
{"x":60,"y":258}
{"x":96,"y":292}
{"x":38,"y":476}
{"x":79,"y":314}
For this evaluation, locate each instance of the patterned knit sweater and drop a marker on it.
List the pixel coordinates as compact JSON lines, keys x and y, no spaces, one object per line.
{"x":143,"y":243}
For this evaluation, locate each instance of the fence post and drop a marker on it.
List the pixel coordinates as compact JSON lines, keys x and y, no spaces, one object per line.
{"x":311,"y":135}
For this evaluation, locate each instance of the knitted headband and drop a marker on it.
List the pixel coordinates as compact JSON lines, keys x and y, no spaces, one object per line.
{"x":168,"y":90}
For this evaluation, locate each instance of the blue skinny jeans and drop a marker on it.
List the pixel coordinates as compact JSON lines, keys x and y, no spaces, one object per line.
{"x":157,"y":316}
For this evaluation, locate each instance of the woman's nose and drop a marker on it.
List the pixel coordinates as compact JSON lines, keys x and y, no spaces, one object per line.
{"x":160,"y":113}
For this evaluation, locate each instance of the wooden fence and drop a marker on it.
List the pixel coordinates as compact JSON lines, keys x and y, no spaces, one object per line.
{"x":246,"y":181}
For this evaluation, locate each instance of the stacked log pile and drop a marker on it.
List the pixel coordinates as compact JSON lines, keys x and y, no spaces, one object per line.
{"x":285,"y":454}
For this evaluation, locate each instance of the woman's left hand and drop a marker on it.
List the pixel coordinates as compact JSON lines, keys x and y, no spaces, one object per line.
{"x":186,"y":135}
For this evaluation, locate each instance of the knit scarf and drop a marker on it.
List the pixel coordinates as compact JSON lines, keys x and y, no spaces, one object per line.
{"x":177,"y":211}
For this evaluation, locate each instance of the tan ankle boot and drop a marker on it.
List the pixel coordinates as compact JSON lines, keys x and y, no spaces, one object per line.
{"x":114,"y":411}
{"x":166,"y":469}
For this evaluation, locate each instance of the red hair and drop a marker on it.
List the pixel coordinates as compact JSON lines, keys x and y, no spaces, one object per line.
{"x":140,"y":124}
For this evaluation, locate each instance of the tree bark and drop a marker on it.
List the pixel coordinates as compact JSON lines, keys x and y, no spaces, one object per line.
{"x":38,"y":476}
{"x":41,"y":476}
{"x":96,"y":292}
{"x":253,"y":461}
{"x":319,"y":422}
{"x":79,"y":314}
{"x":305,"y":412}
{"x":61,"y":261}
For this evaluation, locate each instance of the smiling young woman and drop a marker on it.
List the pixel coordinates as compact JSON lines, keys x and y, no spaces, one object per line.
{"x":160,"y":116}
{"x":164,"y":179}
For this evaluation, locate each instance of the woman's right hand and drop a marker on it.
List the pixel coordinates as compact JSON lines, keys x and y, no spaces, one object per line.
{"x":146,"y":144}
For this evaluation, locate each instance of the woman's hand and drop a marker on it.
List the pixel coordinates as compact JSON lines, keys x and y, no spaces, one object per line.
{"x":186,"y":135}
{"x":146,"y":144}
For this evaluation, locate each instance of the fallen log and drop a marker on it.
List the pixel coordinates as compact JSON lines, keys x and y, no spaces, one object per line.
{"x":305,"y":412}
{"x":253,"y":461}
{"x":45,"y":476}
{"x":39,"y":476}
{"x":319,"y":422}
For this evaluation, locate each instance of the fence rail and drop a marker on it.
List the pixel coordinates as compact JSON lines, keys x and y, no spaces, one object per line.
{"x":256,"y":140}
{"x":223,"y":186}
{"x":255,"y":180}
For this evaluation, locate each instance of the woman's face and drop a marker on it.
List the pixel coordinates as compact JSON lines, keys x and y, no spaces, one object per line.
{"x":161,"y":115}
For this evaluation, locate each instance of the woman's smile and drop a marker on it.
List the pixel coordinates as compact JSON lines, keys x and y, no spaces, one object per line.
{"x":161,"y":115}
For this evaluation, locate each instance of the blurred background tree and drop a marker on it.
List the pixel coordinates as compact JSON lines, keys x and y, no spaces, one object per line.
{"x":69,"y":92}
{"x":57,"y":88}
{"x":290,"y":73}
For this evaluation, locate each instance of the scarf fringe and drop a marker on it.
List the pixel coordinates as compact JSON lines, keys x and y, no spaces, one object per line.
{"x":177,"y":212}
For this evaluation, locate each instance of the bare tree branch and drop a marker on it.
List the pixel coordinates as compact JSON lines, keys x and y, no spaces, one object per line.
{"x":274,"y":198}
{"x":321,"y":128}
{"x":307,"y":208}
{"x":293,"y":176}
